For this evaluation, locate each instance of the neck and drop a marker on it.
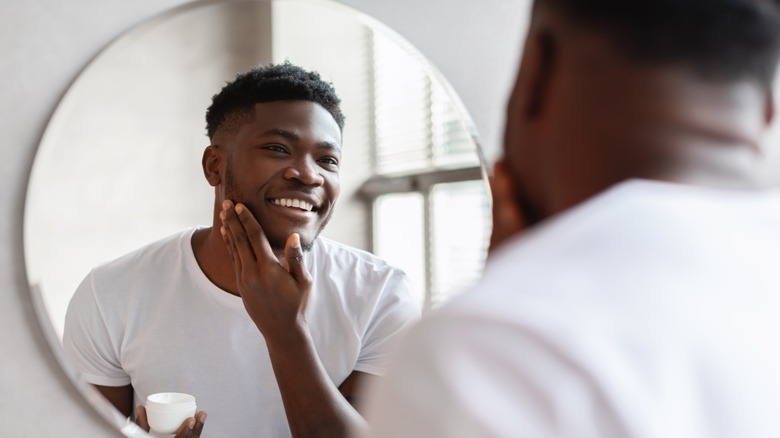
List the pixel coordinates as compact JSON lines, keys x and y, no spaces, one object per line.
{"x":703,"y":134}
{"x":689,"y":132}
{"x":213,"y":258}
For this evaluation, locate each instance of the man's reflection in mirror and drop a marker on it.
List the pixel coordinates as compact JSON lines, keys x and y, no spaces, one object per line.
{"x":271,"y":327}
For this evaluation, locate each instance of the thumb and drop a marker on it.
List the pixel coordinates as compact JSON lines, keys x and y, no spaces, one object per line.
{"x":293,"y":255}
{"x":140,"y":418}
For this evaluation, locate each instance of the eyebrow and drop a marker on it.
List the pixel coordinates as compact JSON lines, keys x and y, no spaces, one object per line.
{"x":295,"y":137}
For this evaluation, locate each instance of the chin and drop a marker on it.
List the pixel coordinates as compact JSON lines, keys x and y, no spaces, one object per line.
{"x":307,"y":239}
{"x":307,"y":245}
{"x":278,"y":243}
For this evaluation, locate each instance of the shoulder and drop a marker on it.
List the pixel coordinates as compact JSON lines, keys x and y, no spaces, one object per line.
{"x":157,"y":251}
{"x":462,"y":355}
{"x":360,"y":277}
{"x":147,"y":263}
{"x":335,"y":254}
{"x":608,"y":264}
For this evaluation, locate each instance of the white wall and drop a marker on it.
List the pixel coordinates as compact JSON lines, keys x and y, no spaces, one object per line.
{"x":119,"y":163}
{"x":44,"y":44}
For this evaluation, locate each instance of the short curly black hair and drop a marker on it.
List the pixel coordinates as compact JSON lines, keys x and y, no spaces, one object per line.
{"x":270,"y":83}
{"x":717,"y":39}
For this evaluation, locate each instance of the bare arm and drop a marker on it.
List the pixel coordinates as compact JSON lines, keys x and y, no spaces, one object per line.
{"x":351,"y":387}
{"x":312,"y":403}
{"x":276,"y":297}
{"x":119,"y":396}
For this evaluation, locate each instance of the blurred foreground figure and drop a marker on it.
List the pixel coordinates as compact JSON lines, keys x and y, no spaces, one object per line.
{"x":633,"y":289}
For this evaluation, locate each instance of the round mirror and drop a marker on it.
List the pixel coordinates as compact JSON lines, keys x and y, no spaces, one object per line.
{"x":119,"y":163}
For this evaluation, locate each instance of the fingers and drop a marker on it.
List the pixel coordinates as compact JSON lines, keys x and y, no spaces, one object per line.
{"x":226,"y":237}
{"x":249,"y":242}
{"x":192,"y":427}
{"x":200,"y":420}
{"x":507,"y":217}
{"x":185,"y":430}
{"x":237,"y":236}
{"x":255,"y":234}
{"x":293,"y":255}
{"x":140,"y":418}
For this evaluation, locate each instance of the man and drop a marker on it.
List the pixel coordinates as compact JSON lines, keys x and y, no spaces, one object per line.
{"x":269,"y":326}
{"x":633,"y":289}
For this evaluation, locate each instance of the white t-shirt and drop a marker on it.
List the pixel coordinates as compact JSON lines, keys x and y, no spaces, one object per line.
{"x":651,"y":310}
{"x":153,"y":319}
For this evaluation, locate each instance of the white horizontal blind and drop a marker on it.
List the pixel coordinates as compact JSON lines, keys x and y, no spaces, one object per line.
{"x":417,"y":127}
{"x":418,"y":131}
{"x":453,"y":146}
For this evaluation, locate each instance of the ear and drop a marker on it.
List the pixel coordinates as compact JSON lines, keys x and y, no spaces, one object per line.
{"x":536,"y":71}
{"x":212,"y":162}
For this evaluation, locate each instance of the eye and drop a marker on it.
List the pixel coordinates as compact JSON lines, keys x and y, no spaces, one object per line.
{"x":275,"y":148}
{"x":329,"y":161}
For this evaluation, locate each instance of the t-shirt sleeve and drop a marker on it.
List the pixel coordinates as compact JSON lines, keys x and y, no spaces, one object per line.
{"x":88,"y":342}
{"x":395,"y":310}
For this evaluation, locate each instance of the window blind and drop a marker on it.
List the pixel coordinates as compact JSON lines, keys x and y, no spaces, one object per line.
{"x":420,"y":205}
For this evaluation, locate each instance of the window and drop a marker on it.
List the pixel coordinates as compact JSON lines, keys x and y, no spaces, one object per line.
{"x":427,"y":172}
{"x":411,"y":174}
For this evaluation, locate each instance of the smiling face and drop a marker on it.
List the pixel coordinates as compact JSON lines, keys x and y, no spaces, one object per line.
{"x":282,"y":162}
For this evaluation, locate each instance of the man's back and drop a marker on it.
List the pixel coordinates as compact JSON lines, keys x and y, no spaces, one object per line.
{"x":622,"y":307}
{"x":649,"y":310}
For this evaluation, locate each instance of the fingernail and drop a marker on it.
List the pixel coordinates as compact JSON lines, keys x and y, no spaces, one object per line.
{"x":225,"y":204}
{"x":239,"y":208}
{"x":222,"y":230}
{"x":296,"y":240}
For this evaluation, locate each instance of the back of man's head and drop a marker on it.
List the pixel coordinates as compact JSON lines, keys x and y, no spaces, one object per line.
{"x":717,"y":39}
{"x":270,"y":83}
{"x":675,"y":90}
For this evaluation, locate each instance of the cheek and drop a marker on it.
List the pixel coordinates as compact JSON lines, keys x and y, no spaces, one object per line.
{"x":336,"y":190}
{"x":333,"y":187}
{"x":257,"y":171}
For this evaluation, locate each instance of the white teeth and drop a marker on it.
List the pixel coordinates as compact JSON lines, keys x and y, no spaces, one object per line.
{"x":294,"y":203}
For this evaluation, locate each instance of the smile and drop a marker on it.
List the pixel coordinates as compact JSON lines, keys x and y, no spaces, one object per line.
{"x":293,"y":203}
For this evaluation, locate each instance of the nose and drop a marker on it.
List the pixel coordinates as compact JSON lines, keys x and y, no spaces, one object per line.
{"x":306,"y":172}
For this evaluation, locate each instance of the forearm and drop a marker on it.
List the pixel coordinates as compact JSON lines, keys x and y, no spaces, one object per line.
{"x":312,"y":402}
